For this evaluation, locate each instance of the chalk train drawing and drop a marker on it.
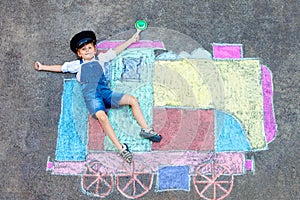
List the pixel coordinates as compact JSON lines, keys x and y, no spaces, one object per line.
{"x":213,"y":112}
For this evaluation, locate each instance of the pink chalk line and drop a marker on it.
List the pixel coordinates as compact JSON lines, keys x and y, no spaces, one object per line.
{"x":269,"y":117}
{"x":106,"y":44}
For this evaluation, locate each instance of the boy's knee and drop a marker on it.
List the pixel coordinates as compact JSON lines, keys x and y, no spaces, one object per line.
{"x":101,"y":116}
{"x":134,"y":100}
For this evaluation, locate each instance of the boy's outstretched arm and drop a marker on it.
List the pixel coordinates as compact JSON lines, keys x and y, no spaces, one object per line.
{"x":50,"y":68}
{"x":135,"y":37}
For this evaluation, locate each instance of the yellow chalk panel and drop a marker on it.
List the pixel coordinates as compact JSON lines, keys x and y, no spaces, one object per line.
{"x":179,"y":83}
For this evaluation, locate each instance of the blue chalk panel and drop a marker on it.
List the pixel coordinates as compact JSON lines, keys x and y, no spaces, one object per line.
{"x":173,"y":178}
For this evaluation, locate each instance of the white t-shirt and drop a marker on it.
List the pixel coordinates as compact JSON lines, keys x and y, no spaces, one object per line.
{"x":75,"y":66}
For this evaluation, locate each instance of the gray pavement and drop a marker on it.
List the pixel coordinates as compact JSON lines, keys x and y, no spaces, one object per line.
{"x":30,"y":101}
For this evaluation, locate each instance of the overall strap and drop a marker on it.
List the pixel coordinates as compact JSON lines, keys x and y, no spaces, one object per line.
{"x":91,"y":72}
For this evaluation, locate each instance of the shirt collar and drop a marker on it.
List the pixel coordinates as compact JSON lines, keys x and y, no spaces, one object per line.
{"x":83,"y":61}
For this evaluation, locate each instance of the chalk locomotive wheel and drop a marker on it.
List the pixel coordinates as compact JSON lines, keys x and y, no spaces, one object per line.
{"x":134,"y":180}
{"x":213,"y":181}
{"x":96,"y":181}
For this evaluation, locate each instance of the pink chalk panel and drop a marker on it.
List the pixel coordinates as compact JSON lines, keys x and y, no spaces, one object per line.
{"x":68,"y":168}
{"x":106,"y":44}
{"x":227,"y":51}
{"x":248,"y":165}
{"x":234,"y":161}
{"x":49,"y":166}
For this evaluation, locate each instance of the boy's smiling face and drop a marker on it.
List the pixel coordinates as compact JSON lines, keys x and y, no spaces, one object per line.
{"x":87,"y":52}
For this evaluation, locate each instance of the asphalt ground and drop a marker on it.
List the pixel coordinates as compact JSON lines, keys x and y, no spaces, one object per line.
{"x":30,"y":101}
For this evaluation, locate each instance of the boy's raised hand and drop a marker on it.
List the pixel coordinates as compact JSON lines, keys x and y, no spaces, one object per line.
{"x":136,"y":36}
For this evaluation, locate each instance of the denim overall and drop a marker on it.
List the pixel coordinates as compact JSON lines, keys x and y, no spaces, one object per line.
{"x":97,"y":94}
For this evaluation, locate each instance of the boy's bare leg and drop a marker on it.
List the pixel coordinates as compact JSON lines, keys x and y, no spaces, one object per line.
{"x":103,"y":119}
{"x":146,"y":132}
{"x":136,"y":110}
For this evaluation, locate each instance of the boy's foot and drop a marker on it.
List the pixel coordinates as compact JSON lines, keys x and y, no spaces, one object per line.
{"x":150,"y":135}
{"x":125,"y":153}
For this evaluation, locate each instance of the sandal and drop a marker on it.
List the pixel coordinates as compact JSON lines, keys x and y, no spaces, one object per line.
{"x":125,"y":153}
{"x":150,"y":135}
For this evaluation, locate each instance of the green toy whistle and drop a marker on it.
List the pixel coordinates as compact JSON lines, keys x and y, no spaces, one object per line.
{"x":141,"y":25}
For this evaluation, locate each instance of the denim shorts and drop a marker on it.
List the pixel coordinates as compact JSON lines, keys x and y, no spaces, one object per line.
{"x":101,"y":99}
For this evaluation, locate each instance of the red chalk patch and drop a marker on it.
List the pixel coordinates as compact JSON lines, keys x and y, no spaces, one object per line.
{"x":96,"y":135}
{"x":184,"y":129}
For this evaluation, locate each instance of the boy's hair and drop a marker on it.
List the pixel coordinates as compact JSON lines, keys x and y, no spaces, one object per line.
{"x":82,"y":38}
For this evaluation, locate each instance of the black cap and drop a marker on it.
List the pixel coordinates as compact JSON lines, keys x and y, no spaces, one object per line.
{"x":82,"y":38}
